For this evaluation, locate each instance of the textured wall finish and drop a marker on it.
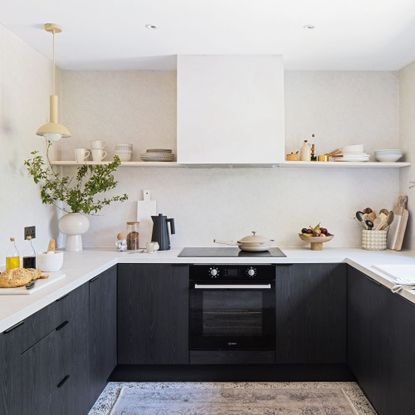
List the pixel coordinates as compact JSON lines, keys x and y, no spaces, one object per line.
{"x":340,"y":107}
{"x":228,"y":203}
{"x":24,"y":98}
{"x":407,"y":136}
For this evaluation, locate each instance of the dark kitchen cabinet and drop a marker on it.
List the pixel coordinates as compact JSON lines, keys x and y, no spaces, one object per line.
{"x":311,"y":313}
{"x":48,"y":374}
{"x":102,"y":329}
{"x":381,"y":344}
{"x":153,"y":314}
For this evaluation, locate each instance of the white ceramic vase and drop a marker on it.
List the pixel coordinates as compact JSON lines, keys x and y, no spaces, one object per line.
{"x":73,"y":225}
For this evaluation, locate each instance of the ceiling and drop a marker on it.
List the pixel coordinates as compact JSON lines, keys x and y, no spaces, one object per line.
{"x":111,"y":34}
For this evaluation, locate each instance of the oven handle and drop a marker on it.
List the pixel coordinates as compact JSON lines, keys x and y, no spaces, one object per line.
{"x":233,"y":287}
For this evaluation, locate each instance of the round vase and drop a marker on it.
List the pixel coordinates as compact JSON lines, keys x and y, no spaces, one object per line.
{"x":73,"y":225}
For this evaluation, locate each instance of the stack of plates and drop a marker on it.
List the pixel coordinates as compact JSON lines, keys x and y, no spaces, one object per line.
{"x":353,"y":152}
{"x":158,"y":154}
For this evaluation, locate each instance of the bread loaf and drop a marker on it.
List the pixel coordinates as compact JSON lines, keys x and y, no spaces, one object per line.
{"x":18,"y":277}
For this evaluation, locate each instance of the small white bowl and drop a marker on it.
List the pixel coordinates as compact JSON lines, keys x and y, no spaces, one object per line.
{"x":388,"y":157}
{"x":124,"y":155}
{"x":124,"y":147}
{"x":50,"y":261}
{"x":354,"y":148}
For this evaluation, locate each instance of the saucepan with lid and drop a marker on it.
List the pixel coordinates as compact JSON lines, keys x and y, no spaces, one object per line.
{"x":250,"y":243}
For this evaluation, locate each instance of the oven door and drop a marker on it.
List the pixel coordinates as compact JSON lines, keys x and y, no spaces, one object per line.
{"x":235,"y":316}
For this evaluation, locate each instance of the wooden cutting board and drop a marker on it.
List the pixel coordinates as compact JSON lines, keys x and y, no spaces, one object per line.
{"x":145,"y":209}
{"x":397,"y":228}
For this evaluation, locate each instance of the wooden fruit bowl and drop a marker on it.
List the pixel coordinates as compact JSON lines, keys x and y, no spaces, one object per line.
{"x":316,"y":241}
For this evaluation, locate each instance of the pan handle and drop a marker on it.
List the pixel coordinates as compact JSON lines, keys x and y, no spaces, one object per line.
{"x":230,"y":243}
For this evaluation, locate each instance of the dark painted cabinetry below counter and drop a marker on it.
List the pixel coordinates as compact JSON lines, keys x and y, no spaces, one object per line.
{"x":153,"y":307}
{"x":102,"y":330}
{"x":58,"y":360}
{"x":311,"y":313}
{"x":381,"y":344}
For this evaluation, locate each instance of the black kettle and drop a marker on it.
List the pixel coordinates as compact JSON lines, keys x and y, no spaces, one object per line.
{"x":161,"y":231}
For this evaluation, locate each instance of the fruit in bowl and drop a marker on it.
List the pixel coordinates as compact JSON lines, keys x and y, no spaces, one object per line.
{"x":316,"y":235}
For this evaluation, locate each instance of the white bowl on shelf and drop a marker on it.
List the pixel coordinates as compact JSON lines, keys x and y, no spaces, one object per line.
{"x":123,"y":147}
{"x":124,"y":155}
{"x":388,"y":155}
{"x":353,"y":149}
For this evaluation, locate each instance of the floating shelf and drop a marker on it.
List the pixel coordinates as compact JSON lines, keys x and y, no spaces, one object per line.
{"x":123,"y":164}
{"x":289,"y":164}
{"x":345,"y":164}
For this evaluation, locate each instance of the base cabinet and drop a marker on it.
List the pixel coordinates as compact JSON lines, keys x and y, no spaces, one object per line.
{"x":47,"y":375}
{"x":381,"y":344}
{"x":153,"y":312}
{"x":311,"y":313}
{"x":102,"y":330}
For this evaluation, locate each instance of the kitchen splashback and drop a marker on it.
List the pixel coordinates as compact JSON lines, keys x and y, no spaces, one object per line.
{"x":228,"y":203}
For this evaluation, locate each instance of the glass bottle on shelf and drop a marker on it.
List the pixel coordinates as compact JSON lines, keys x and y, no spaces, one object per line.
{"x":132,"y":236}
{"x":12,"y":256}
{"x":29,"y":254}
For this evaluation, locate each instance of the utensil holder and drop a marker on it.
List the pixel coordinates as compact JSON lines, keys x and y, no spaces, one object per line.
{"x":374,"y":240}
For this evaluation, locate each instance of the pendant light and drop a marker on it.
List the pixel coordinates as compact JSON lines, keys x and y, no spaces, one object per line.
{"x":53,"y":131}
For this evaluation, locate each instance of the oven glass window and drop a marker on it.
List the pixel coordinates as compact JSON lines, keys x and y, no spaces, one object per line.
{"x":231,"y":313}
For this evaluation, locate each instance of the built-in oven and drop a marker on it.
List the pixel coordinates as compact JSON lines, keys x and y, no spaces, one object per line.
{"x":232,"y":313}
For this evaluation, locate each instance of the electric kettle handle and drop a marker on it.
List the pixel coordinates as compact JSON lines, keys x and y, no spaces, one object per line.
{"x":172,"y":228}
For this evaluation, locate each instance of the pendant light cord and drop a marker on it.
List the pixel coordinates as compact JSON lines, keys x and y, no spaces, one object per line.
{"x":53,"y":63}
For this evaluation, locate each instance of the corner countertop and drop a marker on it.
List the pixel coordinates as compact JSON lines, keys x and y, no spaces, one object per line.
{"x":82,"y":267}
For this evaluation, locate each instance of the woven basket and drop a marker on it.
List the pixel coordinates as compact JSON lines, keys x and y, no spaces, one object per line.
{"x":374,"y":240}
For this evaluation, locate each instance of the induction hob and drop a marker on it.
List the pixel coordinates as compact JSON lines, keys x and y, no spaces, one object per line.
{"x":228,"y":252}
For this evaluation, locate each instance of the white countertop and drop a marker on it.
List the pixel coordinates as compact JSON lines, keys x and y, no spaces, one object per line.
{"x":81,"y":267}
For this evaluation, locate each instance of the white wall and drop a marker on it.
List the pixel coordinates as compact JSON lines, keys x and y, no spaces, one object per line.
{"x":24,"y":90}
{"x":407,"y":136}
{"x":340,"y":107}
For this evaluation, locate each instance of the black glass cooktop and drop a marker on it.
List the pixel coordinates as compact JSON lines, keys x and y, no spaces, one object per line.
{"x":228,"y":252}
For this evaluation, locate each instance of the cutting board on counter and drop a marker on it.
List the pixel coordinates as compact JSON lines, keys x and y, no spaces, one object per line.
{"x":145,"y":209}
{"x":39,"y":285}
{"x":398,"y":226}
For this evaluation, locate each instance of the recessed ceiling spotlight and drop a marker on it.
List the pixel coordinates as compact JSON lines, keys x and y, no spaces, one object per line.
{"x":150,"y":26}
{"x":309,"y":26}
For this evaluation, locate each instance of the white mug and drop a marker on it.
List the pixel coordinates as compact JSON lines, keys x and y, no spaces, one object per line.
{"x":98,"y":154}
{"x":97,"y":144}
{"x":81,"y":154}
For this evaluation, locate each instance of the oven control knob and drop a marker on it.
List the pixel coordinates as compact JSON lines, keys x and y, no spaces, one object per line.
{"x":214,"y":272}
{"x":251,"y":272}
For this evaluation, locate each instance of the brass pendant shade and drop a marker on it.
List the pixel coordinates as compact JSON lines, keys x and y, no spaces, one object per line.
{"x":53,"y":131}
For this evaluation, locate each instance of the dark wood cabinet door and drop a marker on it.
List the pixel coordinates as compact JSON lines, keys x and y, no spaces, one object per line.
{"x":153,"y":314}
{"x":102,"y":329}
{"x":311,"y":313}
{"x":381,"y":344}
{"x":51,"y":376}
{"x":71,"y":395}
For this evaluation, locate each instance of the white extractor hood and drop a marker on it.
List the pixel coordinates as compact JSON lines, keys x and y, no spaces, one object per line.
{"x":230,"y":109}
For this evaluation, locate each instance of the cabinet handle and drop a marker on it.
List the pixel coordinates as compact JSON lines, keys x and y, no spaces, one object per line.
{"x":61,"y":326}
{"x":60,"y":299}
{"x":13,"y":327}
{"x":63,"y":381}
{"x":94,"y":279}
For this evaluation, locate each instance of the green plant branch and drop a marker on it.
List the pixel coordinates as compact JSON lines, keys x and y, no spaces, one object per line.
{"x":80,"y":197}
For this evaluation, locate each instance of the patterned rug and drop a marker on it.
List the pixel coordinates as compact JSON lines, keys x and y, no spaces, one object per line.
{"x":268,"y":398}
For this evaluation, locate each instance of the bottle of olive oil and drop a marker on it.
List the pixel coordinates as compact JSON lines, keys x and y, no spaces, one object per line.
{"x":12,"y":256}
